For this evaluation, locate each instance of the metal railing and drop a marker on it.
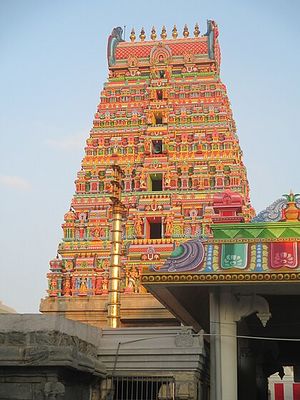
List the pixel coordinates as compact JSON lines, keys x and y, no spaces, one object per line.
{"x":139,"y":388}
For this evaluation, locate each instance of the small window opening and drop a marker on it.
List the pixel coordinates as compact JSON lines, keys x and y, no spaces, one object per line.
{"x":155,"y":230}
{"x":157,"y":147}
{"x":159,"y":94}
{"x":141,"y":387}
{"x":162,"y":73}
{"x":158,"y":119}
{"x":156,"y":183}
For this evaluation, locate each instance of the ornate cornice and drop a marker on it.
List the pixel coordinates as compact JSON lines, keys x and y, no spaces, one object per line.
{"x":262,"y":231}
{"x":219,"y":278}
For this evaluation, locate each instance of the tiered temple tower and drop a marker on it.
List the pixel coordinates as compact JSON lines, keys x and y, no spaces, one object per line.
{"x":164,"y":117}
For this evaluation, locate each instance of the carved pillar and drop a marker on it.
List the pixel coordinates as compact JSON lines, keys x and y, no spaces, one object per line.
{"x":187,"y":386}
{"x":225,"y":310}
{"x":228,"y":347}
{"x":215,"y":368}
{"x":54,"y":390}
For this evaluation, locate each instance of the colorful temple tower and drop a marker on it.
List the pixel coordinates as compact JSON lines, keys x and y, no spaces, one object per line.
{"x":164,"y":117}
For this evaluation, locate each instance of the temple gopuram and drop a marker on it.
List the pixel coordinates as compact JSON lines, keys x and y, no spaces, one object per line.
{"x":161,"y":232}
{"x":164,"y":118}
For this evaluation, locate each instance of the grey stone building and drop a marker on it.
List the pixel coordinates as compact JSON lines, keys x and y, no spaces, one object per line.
{"x":50,"y":357}
{"x":44,"y":357}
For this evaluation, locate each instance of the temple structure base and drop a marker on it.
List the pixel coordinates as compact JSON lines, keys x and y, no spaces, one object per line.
{"x":169,"y":361}
{"x":137,"y":309}
{"x":51,"y":357}
{"x":48,"y":357}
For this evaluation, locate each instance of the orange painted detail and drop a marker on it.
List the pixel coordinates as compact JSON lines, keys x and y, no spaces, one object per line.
{"x":177,"y":49}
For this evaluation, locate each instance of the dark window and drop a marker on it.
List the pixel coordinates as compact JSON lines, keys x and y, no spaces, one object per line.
{"x":156,"y":146}
{"x":159,"y":94}
{"x":155,"y":230}
{"x":158,"y":119}
{"x":156,"y":183}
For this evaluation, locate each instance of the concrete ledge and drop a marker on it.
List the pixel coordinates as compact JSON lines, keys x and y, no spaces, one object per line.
{"x":158,"y":350}
{"x":40,"y":322}
{"x":49,"y":341}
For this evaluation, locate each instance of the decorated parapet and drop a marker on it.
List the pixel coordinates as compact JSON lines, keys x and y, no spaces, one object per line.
{"x":264,"y":250}
{"x":164,"y":117}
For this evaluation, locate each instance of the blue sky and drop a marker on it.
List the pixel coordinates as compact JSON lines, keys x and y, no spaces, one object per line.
{"x":52,"y":68}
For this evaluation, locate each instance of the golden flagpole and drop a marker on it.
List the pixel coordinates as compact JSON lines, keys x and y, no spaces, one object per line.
{"x":114,"y":288}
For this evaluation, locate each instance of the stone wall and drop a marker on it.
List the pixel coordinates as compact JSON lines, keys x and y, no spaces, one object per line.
{"x":48,"y":357}
{"x":169,"y":352}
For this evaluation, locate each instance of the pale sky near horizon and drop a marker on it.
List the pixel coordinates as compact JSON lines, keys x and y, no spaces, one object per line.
{"x":52,"y":68}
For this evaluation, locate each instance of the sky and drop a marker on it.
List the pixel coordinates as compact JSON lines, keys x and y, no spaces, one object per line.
{"x":52,"y":68}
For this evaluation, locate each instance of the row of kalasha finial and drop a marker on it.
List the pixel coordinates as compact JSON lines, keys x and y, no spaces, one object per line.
{"x":163,"y":34}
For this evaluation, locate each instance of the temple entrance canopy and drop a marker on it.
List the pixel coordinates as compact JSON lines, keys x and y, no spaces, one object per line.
{"x":243,"y":281}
